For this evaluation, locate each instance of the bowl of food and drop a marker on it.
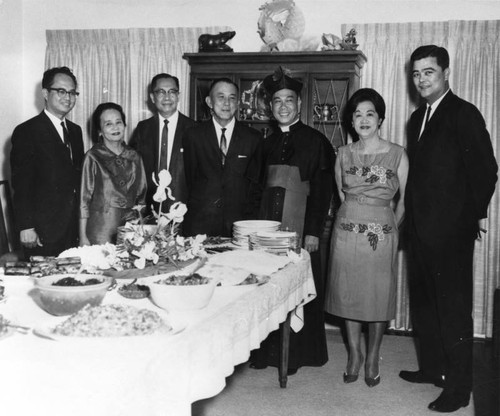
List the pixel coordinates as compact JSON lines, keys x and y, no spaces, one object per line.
{"x":182,"y":292}
{"x":66,"y":294}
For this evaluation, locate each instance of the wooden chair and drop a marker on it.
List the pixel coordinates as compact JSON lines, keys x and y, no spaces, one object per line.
{"x":9,"y":238}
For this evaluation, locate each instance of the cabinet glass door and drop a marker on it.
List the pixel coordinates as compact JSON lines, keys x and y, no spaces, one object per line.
{"x":328,"y":99}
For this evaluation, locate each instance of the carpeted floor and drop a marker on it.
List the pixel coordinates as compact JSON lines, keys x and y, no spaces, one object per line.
{"x":321,"y":391}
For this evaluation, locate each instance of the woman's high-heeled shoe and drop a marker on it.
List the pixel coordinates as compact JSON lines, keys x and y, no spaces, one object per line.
{"x":372,"y":382}
{"x":351,"y":378}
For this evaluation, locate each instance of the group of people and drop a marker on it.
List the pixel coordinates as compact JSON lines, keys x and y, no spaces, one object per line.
{"x":225,"y":171}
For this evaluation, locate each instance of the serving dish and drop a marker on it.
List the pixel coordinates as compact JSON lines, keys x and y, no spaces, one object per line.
{"x":66,"y":300}
{"x":181,"y":297}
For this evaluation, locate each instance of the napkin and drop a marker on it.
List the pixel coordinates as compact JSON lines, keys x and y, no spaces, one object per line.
{"x":257,"y":262}
{"x":226,"y":276}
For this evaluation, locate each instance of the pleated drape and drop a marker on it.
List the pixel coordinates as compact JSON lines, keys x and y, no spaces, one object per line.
{"x":474,"y":48}
{"x":118,"y":64}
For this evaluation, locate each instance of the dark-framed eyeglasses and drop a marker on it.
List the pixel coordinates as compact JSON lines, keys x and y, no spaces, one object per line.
{"x":62,"y":93}
{"x":162,"y":93}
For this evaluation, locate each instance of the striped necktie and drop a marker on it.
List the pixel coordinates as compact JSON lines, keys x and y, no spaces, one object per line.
{"x":223,"y":146}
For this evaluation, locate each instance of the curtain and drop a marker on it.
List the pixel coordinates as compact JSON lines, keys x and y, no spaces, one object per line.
{"x":474,"y":48}
{"x":118,"y":64}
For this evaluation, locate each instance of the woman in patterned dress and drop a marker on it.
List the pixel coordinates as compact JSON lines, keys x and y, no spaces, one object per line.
{"x":113,"y":178}
{"x":362,"y":287}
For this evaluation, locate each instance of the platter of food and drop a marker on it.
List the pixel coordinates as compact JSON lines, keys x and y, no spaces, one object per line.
{"x":110,"y":321}
{"x":39,"y":266}
{"x":225,"y":275}
{"x":157,"y":269}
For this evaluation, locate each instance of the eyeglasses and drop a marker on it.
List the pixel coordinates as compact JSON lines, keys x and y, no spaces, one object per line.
{"x":162,"y":93}
{"x":62,"y":93}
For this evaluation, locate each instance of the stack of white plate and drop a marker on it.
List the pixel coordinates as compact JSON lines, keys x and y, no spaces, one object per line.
{"x":276,"y":242}
{"x":242,"y":229}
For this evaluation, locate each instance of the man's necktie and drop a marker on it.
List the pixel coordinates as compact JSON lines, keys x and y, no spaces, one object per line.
{"x":223,"y":146}
{"x":66,"y":139}
{"x":164,"y":147}
{"x":427,"y":117}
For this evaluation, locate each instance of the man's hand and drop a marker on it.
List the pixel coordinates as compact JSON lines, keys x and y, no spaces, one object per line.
{"x":481,"y":228}
{"x":311,"y":243}
{"x":29,"y":238}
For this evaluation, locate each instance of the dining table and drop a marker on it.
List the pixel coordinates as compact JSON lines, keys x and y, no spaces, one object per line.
{"x":150,"y":375}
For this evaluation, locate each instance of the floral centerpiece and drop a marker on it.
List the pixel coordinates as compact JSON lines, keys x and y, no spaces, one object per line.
{"x":140,"y":245}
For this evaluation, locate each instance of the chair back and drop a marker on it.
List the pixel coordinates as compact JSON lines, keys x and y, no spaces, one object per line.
{"x":9,"y":239}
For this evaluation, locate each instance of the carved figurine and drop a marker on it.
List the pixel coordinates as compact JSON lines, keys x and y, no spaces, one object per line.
{"x":215,"y":43}
{"x":349,"y":41}
{"x":330,"y":42}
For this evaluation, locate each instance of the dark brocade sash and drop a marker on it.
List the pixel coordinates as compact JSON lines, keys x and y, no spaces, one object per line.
{"x":294,"y":206}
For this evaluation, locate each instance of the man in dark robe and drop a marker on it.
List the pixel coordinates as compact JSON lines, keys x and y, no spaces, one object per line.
{"x":298,"y":186}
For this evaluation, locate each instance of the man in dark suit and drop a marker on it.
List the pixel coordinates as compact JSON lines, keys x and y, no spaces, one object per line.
{"x":46,"y":159}
{"x":219,"y":157}
{"x":159,"y":138}
{"x":451,"y":181}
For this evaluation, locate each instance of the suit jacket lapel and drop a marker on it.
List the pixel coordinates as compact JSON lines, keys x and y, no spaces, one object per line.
{"x":234,"y":142}
{"x":439,"y":112}
{"x":54,"y":136}
{"x":177,"y":145}
{"x":152,"y":134}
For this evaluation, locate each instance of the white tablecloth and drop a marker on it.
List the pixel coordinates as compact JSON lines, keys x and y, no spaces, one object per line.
{"x":145,"y":376}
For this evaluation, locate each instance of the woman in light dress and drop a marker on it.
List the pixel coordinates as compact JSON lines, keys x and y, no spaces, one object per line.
{"x":362,"y":287}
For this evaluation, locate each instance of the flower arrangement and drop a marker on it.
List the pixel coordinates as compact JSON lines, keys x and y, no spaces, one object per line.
{"x":141,"y":244}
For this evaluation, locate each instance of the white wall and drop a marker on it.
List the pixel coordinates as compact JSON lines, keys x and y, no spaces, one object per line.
{"x":12,"y":88}
{"x":23,"y":24}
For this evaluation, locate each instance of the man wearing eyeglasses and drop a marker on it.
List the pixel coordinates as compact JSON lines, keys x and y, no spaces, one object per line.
{"x":159,"y":138}
{"x":46,"y":159}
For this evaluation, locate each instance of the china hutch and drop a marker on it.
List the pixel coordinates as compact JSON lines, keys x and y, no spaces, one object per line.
{"x":329,"y":78}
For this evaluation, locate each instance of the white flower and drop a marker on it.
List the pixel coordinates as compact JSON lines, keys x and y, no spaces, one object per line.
{"x":135,"y":239}
{"x":146,"y":252}
{"x":377,"y":228}
{"x":177,"y":212}
{"x":164,"y":179}
{"x":140,"y":263}
{"x":197,"y":244}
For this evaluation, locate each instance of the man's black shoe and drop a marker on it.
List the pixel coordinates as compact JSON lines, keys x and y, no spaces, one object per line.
{"x":419,"y":377}
{"x":447,"y":403}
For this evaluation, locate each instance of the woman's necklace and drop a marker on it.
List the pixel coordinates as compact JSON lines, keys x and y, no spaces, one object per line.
{"x":369,"y":158}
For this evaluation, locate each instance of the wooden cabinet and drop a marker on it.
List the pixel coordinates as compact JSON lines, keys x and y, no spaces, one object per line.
{"x":329,"y":79}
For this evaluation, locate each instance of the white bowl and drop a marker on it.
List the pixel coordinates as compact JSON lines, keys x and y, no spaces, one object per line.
{"x":181,"y":298}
